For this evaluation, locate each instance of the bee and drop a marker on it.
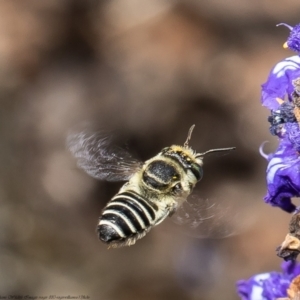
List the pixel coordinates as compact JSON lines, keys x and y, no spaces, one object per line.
{"x":154,"y":189}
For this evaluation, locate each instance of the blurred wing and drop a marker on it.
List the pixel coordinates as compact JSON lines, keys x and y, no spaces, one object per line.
{"x":97,"y":155}
{"x":208,"y":219}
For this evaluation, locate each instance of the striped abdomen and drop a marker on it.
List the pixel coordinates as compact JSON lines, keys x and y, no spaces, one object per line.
{"x":126,"y":218}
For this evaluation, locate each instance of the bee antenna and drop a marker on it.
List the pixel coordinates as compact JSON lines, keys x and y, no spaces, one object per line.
{"x":186,"y":143}
{"x":215,"y":150}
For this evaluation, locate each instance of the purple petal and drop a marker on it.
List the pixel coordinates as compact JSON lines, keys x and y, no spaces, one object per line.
{"x":286,"y":25}
{"x":279,"y":83}
{"x":252,"y":289}
{"x":268,"y":286}
{"x":290,"y":268}
{"x":293,"y":40}
{"x":283,"y":178}
{"x":293,"y":134}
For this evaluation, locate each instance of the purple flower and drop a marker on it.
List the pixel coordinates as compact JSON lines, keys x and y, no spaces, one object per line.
{"x":283,"y":176}
{"x":280,"y":94}
{"x":284,"y":123}
{"x":279,"y":83}
{"x":293,"y":41}
{"x":268,"y":286}
{"x":293,"y":134}
{"x":280,"y":117}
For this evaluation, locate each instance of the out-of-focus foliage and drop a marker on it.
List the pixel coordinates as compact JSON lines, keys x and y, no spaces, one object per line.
{"x":148,"y":70}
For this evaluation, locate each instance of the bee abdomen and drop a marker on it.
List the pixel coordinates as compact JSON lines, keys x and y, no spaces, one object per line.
{"x":126,"y":218}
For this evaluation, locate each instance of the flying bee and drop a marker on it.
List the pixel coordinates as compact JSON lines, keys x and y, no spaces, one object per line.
{"x":154,"y":189}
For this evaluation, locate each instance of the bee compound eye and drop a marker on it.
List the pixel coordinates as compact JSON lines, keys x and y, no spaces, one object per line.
{"x":197,"y":171}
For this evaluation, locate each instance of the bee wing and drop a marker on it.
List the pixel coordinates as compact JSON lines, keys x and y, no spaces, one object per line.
{"x":100,"y":158}
{"x":205,"y":218}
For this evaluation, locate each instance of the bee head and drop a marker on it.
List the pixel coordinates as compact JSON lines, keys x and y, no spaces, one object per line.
{"x":188,"y":158}
{"x":185,"y":156}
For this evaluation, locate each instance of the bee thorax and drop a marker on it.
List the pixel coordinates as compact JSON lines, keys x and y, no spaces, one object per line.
{"x":160,"y":175}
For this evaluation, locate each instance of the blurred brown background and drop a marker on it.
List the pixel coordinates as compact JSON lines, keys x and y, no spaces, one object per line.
{"x":148,"y":70}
